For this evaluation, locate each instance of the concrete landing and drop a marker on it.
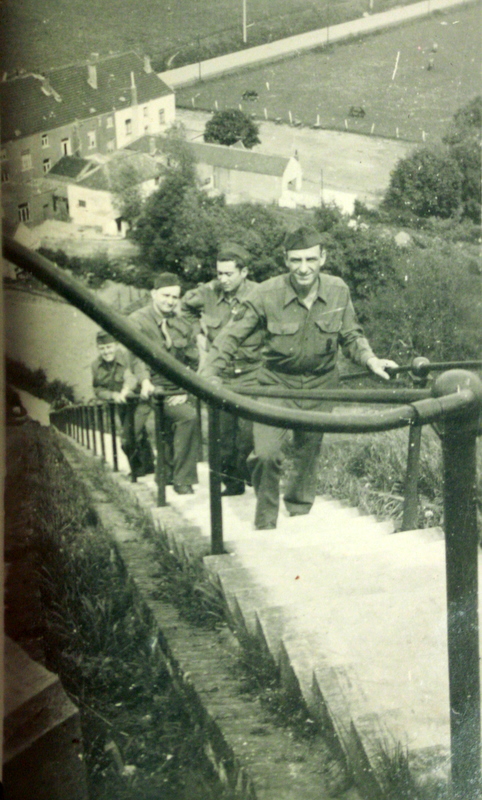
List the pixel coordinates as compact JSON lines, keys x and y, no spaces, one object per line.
{"x":42,"y":755}
{"x":352,"y":613}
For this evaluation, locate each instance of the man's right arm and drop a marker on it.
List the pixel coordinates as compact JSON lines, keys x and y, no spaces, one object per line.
{"x":245,"y":320}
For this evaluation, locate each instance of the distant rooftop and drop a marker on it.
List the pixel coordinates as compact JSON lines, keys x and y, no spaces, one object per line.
{"x":33,"y":103}
{"x":104,"y":176}
{"x":219,"y":155}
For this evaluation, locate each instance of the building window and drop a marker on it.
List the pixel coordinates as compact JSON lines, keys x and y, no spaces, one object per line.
{"x":128,"y":127}
{"x":146,"y":128}
{"x":46,"y":165}
{"x":145,"y":111}
{"x":44,"y":140}
{"x":111,"y":145}
{"x":5,"y":174}
{"x":82,"y":204}
{"x":110,"y":122}
{"x":91,"y":139}
{"x":162,"y":116}
{"x":65,"y":147}
{"x":23,"y":212}
{"x":26,"y":160}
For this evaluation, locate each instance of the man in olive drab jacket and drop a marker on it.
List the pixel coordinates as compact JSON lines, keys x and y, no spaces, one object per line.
{"x":112,"y":380}
{"x":216,"y":302}
{"x":160,"y":321}
{"x":306,"y":316}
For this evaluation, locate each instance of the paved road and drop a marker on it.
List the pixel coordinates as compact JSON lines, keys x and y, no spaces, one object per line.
{"x":350,"y":163}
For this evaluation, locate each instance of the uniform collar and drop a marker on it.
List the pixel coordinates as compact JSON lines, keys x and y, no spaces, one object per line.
{"x":241,"y":291}
{"x":291,"y":294}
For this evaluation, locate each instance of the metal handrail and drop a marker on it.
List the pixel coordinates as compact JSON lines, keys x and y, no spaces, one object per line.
{"x":455,"y":407}
{"x":217,"y":396}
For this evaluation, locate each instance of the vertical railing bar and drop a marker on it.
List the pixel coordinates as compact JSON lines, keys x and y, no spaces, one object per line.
{"x":410,"y":502}
{"x":93,"y":427}
{"x":87,"y":426}
{"x":100,"y":423}
{"x":199,"y":422}
{"x":215,"y":481}
{"x":81,"y":420}
{"x":160,"y":429}
{"x":461,"y":545}
{"x":115,"y":462}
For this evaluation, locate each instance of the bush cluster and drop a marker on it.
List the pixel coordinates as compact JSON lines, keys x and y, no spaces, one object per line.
{"x":35,"y":381}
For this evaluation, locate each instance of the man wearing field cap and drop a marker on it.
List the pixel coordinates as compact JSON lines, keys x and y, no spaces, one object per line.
{"x":306,"y":315}
{"x":112,"y":380}
{"x":161,"y":322}
{"x":215,"y":303}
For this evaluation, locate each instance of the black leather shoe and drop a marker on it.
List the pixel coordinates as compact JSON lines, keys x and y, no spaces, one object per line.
{"x":181,"y":488}
{"x":231,"y":491}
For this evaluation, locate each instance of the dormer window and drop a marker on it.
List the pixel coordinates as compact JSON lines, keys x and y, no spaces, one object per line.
{"x":128,"y":127}
{"x":44,"y":140}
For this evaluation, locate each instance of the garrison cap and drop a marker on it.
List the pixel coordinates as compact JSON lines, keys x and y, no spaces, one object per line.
{"x":302,"y":238}
{"x":230,"y":251}
{"x":166,"y":279}
{"x":103,"y":337}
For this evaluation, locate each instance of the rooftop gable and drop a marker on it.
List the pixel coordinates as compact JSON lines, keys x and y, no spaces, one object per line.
{"x":106,"y":177}
{"x":218,"y":155}
{"x":35,"y":103}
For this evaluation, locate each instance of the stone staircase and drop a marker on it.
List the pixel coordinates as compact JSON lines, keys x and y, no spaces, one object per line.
{"x":354,"y":617}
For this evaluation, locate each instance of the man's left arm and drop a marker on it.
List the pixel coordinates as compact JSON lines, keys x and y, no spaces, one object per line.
{"x":357,"y":347}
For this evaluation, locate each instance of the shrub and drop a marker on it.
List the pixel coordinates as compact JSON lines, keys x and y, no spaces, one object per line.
{"x":231,"y":126}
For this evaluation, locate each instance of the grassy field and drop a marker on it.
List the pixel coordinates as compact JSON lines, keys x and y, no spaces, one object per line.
{"x":55,"y":32}
{"x":325,"y":83}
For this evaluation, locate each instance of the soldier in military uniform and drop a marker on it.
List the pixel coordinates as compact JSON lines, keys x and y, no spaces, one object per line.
{"x":161,"y":322}
{"x":214,"y":303}
{"x":113,"y":381}
{"x":306,"y":316}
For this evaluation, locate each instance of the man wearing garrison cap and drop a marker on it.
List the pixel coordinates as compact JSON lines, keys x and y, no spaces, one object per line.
{"x":306,"y":315}
{"x":112,"y":380}
{"x":215,"y":303}
{"x":161,"y":323}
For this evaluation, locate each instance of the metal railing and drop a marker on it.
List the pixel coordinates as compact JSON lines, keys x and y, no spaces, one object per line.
{"x":454,"y":404}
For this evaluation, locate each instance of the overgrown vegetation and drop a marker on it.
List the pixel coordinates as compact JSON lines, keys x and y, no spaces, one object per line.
{"x":35,"y":381}
{"x":138,"y":737}
{"x":441,"y":182}
{"x":369,"y":472}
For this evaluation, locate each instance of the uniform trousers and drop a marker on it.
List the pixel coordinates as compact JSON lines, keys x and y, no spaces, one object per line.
{"x":266,"y":464}
{"x":185,"y":441}
{"x":236,"y":440}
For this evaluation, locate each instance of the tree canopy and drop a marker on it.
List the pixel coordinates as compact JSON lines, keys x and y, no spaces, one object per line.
{"x":231,"y":126}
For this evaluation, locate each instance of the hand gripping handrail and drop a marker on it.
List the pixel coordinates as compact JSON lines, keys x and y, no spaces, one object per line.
{"x":219,"y":397}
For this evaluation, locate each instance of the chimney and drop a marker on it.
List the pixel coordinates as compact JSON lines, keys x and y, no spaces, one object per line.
{"x":147,"y":64}
{"x":133,"y":90}
{"x":92,"y":75}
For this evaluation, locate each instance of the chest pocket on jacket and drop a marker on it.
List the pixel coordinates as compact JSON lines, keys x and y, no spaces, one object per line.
{"x":328,"y":328}
{"x":211,"y":326}
{"x":282,"y":336}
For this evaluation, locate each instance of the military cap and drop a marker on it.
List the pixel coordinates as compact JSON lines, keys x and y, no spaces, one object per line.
{"x":302,"y":238}
{"x":166,"y":279}
{"x":230,"y":251}
{"x":103,"y":337}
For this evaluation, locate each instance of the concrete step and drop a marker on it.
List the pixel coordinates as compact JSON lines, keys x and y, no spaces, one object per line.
{"x":42,"y":755}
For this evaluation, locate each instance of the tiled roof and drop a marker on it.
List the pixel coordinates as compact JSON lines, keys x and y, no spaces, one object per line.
{"x":32,"y":104}
{"x":105,"y":177}
{"x":243,"y":160}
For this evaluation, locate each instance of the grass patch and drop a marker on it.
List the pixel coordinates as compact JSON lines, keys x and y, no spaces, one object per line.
{"x":325,"y":84}
{"x":99,"y":637}
{"x":369,"y":472}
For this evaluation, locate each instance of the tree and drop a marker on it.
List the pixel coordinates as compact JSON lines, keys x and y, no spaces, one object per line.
{"x":425,"y":184}
{"x":464,"y":139}
{"x":231,"y":126}
{"x":127,"y":197}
